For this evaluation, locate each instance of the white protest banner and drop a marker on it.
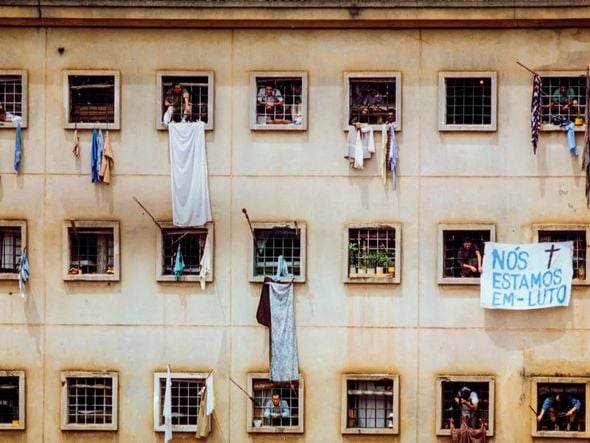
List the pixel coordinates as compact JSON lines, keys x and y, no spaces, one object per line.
{"x":529,"y":276}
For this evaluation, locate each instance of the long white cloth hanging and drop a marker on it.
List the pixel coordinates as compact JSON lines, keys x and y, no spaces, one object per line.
{"x":167,"y":411}
{"x":205,"y":264}
{"x":188,"y":173}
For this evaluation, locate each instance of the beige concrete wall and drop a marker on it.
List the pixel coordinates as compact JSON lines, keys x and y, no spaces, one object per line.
{"x":417,"y":329}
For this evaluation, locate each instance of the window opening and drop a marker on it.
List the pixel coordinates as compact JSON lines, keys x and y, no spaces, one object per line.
{"x":92,"y":98}
{"x":279,"y":100}
{"x":468,"y":100}
{"x":371,"y":248}
{"x":10,"y":249}
{"x":369,"y":403}
{"x":90,"y":400}
{"x":370,"y":98}
{"x":563,"y":97}
{"x":459,"y":248}
{"x":273,"y":242}
{"x":11,"y":97}
{"x":469,"y":401}
{"x":188,"y":96}
{"x":192,"y":244}
{"x":186,"y":401}
{"x":276,"y":404}
{"x":555,"y":400}
{"x":9,"y":400}
{"x":91,"y":250}
{"x":579,"y":253}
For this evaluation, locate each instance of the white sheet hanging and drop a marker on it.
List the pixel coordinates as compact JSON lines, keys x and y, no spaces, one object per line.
{"x":188,"y":174}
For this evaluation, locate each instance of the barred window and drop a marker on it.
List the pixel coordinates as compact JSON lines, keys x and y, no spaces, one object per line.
{"x":92,"y":99}
{"x":277,"y":407}
{"x":369,"y":97}
{"x":578,"y":234}
{"x":563,"y":96}
{"x":272,"y":241}
{"x":12,"y":400}
{"x":93,"y":250}
{"x":460,"y":246}
{"x":186,"y":393}
{"x":190,"y":94}
{"x":552,"y":398}
{"x":455,"y":391}
{"x":13,"y":98}
{"x":279,"y":100}
{"x":89,"y":401}
{"x":10,"y":248}
{"x":468,"y":101}
{"x":371,"y":404}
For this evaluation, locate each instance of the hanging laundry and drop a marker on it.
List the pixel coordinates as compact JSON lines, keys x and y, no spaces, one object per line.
{"x":188,"y":174}
{"x":465,"y":434}
{"x":282,"y":269}
{"x":205,"y":264}
{"x":18,"y":148}
{"x":76,"y":144}
{"x":206,"y":410}
{"x":389,"y":154}
{"x":586,"y":162}
{"x":167,"y":410}
{"x":284,"y":362}
{"x":536,"y":111}
{"x":178,"y":263}
{"x":107,"y":161}
{"x":24,"y":271}
{"x":263,"y":310}
{"x":569,"y":126}
{"x":360,"y":145}
{"x":95,"y":155}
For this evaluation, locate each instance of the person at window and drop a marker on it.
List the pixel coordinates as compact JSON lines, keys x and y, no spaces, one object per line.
{"x":560,"y":407}
{"x":465,"y":408}
{"x":176,"y":101}
{"x":563,"y":100}
{"x":373,"y":98}
{"x":270,"y":106}
{"x":469,"y":259}
{"x":276,"y":411}
{"x":2,"y":114}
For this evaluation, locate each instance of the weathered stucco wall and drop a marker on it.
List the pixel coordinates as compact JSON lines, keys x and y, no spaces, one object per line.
{"x":417,"y":329}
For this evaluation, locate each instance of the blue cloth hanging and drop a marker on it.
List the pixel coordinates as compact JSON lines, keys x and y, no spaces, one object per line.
{"x":24,"y":271}
{"x":178,"y":263}
{"x":282,"y":269}
{"x":96,"y":155}
{"x":18,"y":148}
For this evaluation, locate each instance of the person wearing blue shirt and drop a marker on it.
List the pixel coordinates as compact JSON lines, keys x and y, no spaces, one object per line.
{"x":560,"y":405}
{"x":276,"y":411}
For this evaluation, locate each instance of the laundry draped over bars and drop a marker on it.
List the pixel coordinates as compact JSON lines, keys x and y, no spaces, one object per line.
{"x":536,"y":111}
{"x":586,"y":162}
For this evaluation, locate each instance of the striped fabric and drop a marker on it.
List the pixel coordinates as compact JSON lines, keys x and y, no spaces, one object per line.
{"x":586,"y":162}
{"x":536,"y":112}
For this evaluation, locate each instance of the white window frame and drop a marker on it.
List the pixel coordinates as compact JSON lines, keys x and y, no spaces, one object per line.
{"x":180,"y":74}
{"x":159,"y":400}
{"x":25,"y":108}
{"x":386,"y":278}
{"x":116,"y":105}
{"x":65,"y":425}
{"x":20,"y":424}
{"x":368,"y":75}
{"x":160,"y":252}
{"x":115,"y":276}
{"x":549,"y":127}
{"x":441,"y":279}
{"x":254,"y":93}
{"x":442,"y":100}
{"x":568,"y":227}
{"x":22,"y":224}
{"x":394,"y":430}
{"x":490,"y":379}
{"x":302,"y":259}
{"x":274,"y":429}
{"x":535,"y":401}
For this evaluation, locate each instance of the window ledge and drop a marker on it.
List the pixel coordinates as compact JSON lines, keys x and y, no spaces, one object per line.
{"x":276,"y":430}
{"x":562,"y":434}
{"x":461,"y":281}
{"x":466,"y":128}
{"x":91,"y":277}
{"x":370,"y":431}
{"x":260,"y":279}
{"x":8,"y":275}
{"x":279,"y":127}
{"x":548,"y":127}
{"x":183,"y":278}
{"x":371,"y":279}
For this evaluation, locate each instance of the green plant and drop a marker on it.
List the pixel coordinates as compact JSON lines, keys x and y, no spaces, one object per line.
{"x":371,"y":259}
{"x":352,"y":253}
{"x":385,"y":260}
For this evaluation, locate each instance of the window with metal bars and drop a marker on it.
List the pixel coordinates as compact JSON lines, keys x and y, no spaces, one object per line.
{"x":273,"y":242}
{"x":563,"y":96}
{"x":369,"y":99}
{"x":10,"y":400}
{"x":91,"y":99}
{"x":10,"y":248}
{"x":12,"y":96}
{"x":468,"y":101}
{"x":578,"y":237}
{"x":370,"y":404}
{"x":91,"y":250}
{"x":198,"y":90}
{"x":371,"y":248}
{"x":90,"y":401}
{"x":192,"y":244}
{"x":280,"y":101}
{"x":186,"y":400}
{"x":559,"y":398}
{"x":456,"y":394}
{"x":263,"y":406}
{"x":454,"y":250}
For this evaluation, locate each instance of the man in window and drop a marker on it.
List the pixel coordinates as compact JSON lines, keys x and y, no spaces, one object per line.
{"x":270,"y":106}
{"x":560,"y":408}
{"x":562,"y":100}
{"x":469,"y":259}
{"x":177,"y":103}
{"x":276,"y":411}
{"x":464,"y":406}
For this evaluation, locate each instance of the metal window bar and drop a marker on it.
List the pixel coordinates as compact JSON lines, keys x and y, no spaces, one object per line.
{"x":291,"y":89}
{"x":575,"y":390}
{"x":271,"y":244}
{"x":262,"y":392}
{"x":9,"y":399}
{"x":453,"y":241}
{"x":370,"y":240}
{"x":450,"y":390}
{"x":92,"y":98}
{"x":91,"y":251}
{"x":550,"y":87}
{"x":579,"y":255}
{"x":10,"y":249}
{"x":90,"y":400}
{"x":192,"y":244}
{"x":468,"y":101}
{"x":186,"y":401}
{"x":198,"y":89}
{"x":376,"y":94}
{"x":370,"y":403}
{"x":11,"y":94}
